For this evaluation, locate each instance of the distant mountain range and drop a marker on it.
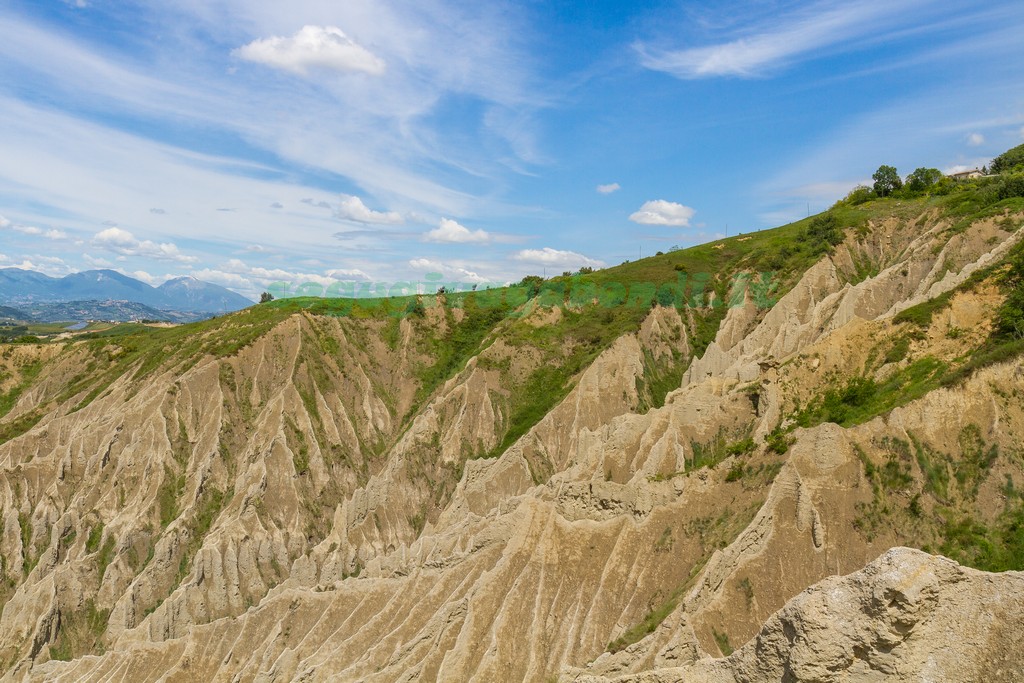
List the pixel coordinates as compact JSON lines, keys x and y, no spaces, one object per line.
{"x":109,"y":295}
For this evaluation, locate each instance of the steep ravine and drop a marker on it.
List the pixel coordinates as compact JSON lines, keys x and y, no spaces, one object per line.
{"x":299,"y":510}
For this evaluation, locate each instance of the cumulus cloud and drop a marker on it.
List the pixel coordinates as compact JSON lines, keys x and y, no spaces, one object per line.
{"x":96,"y":262}
{"x":347,"y":274}
{"x":975,"y":139}
{"x":222,"y":278}
{"x":239,"y":275}
{"x":4,"y":258}
{"x":151,"y":280}
{"x":321,"y":47}
{"x":556,"y":257}
{"x":451,"y":231}
{"x":969,"y":166}
{"x":158,"y":211}
{"x":353,"y":209}
{"x":277,"y":205}
{"x":124,"y":243}
{"x":4,"y":223}
{"x":609,"y":188}
{"x":447,"y":270}
{"x":48,"y":265}
{"x":55,"y":234}
{"x":661,"y":212}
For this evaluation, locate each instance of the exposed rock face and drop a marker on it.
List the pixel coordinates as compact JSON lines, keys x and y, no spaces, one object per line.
{"x":907,"y":616}
{"x":309,"y":508}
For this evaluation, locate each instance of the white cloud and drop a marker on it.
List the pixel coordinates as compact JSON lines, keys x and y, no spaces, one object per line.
{"x":661,"y":212}
{"x":96,"y":262}
{"x":347,"y":274}
{"x":425,"y":264}
{"x":51,"y":234}
{"x":224,"y":279}
{"x":960,"y":168}
{"x":323,"y":47}
{"x":450,"y":231}
{"x":448,"y":270}
{"x":151,"y":280}
{"x":353,"y":209}
{"x":805,"y":32}
{"x":124,"y":243}
{"x":609,"y":188}
{"x":250,"y":280}
{"x":556,"y":258}
{"x":975,"y":139}
{"x":48,"y":265}
{"x":1021,"y":133}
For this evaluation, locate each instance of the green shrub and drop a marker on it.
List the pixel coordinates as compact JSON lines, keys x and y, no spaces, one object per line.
{"x":1010,"y":186}
{"x":824,"y":230}
{"x":736,"y":472}
{"x":740,"y":447}
{"x":778,"y":441}
{"x":898,"y":351}
{"x":92,"y":542}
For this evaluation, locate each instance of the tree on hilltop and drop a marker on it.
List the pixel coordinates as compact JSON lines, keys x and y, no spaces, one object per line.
{"x":887,"y":180}
{"x":922,"y":179}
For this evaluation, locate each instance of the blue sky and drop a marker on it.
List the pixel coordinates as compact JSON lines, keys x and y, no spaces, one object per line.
{"x":250,"y":141}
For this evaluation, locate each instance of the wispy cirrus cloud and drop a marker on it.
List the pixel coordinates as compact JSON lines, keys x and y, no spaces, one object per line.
{"x":752,"y":50}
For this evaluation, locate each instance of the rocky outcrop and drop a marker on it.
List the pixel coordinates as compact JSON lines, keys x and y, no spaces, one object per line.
{"x":907,"y":616}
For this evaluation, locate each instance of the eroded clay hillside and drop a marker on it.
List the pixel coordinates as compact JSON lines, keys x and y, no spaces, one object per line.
{"x":624,"y":474}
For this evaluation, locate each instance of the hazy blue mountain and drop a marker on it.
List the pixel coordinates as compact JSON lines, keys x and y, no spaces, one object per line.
{"x":190,"y":294}
{"x":7,"y":314}
{"x":105,"y":284}
{"x":186,"y":295}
